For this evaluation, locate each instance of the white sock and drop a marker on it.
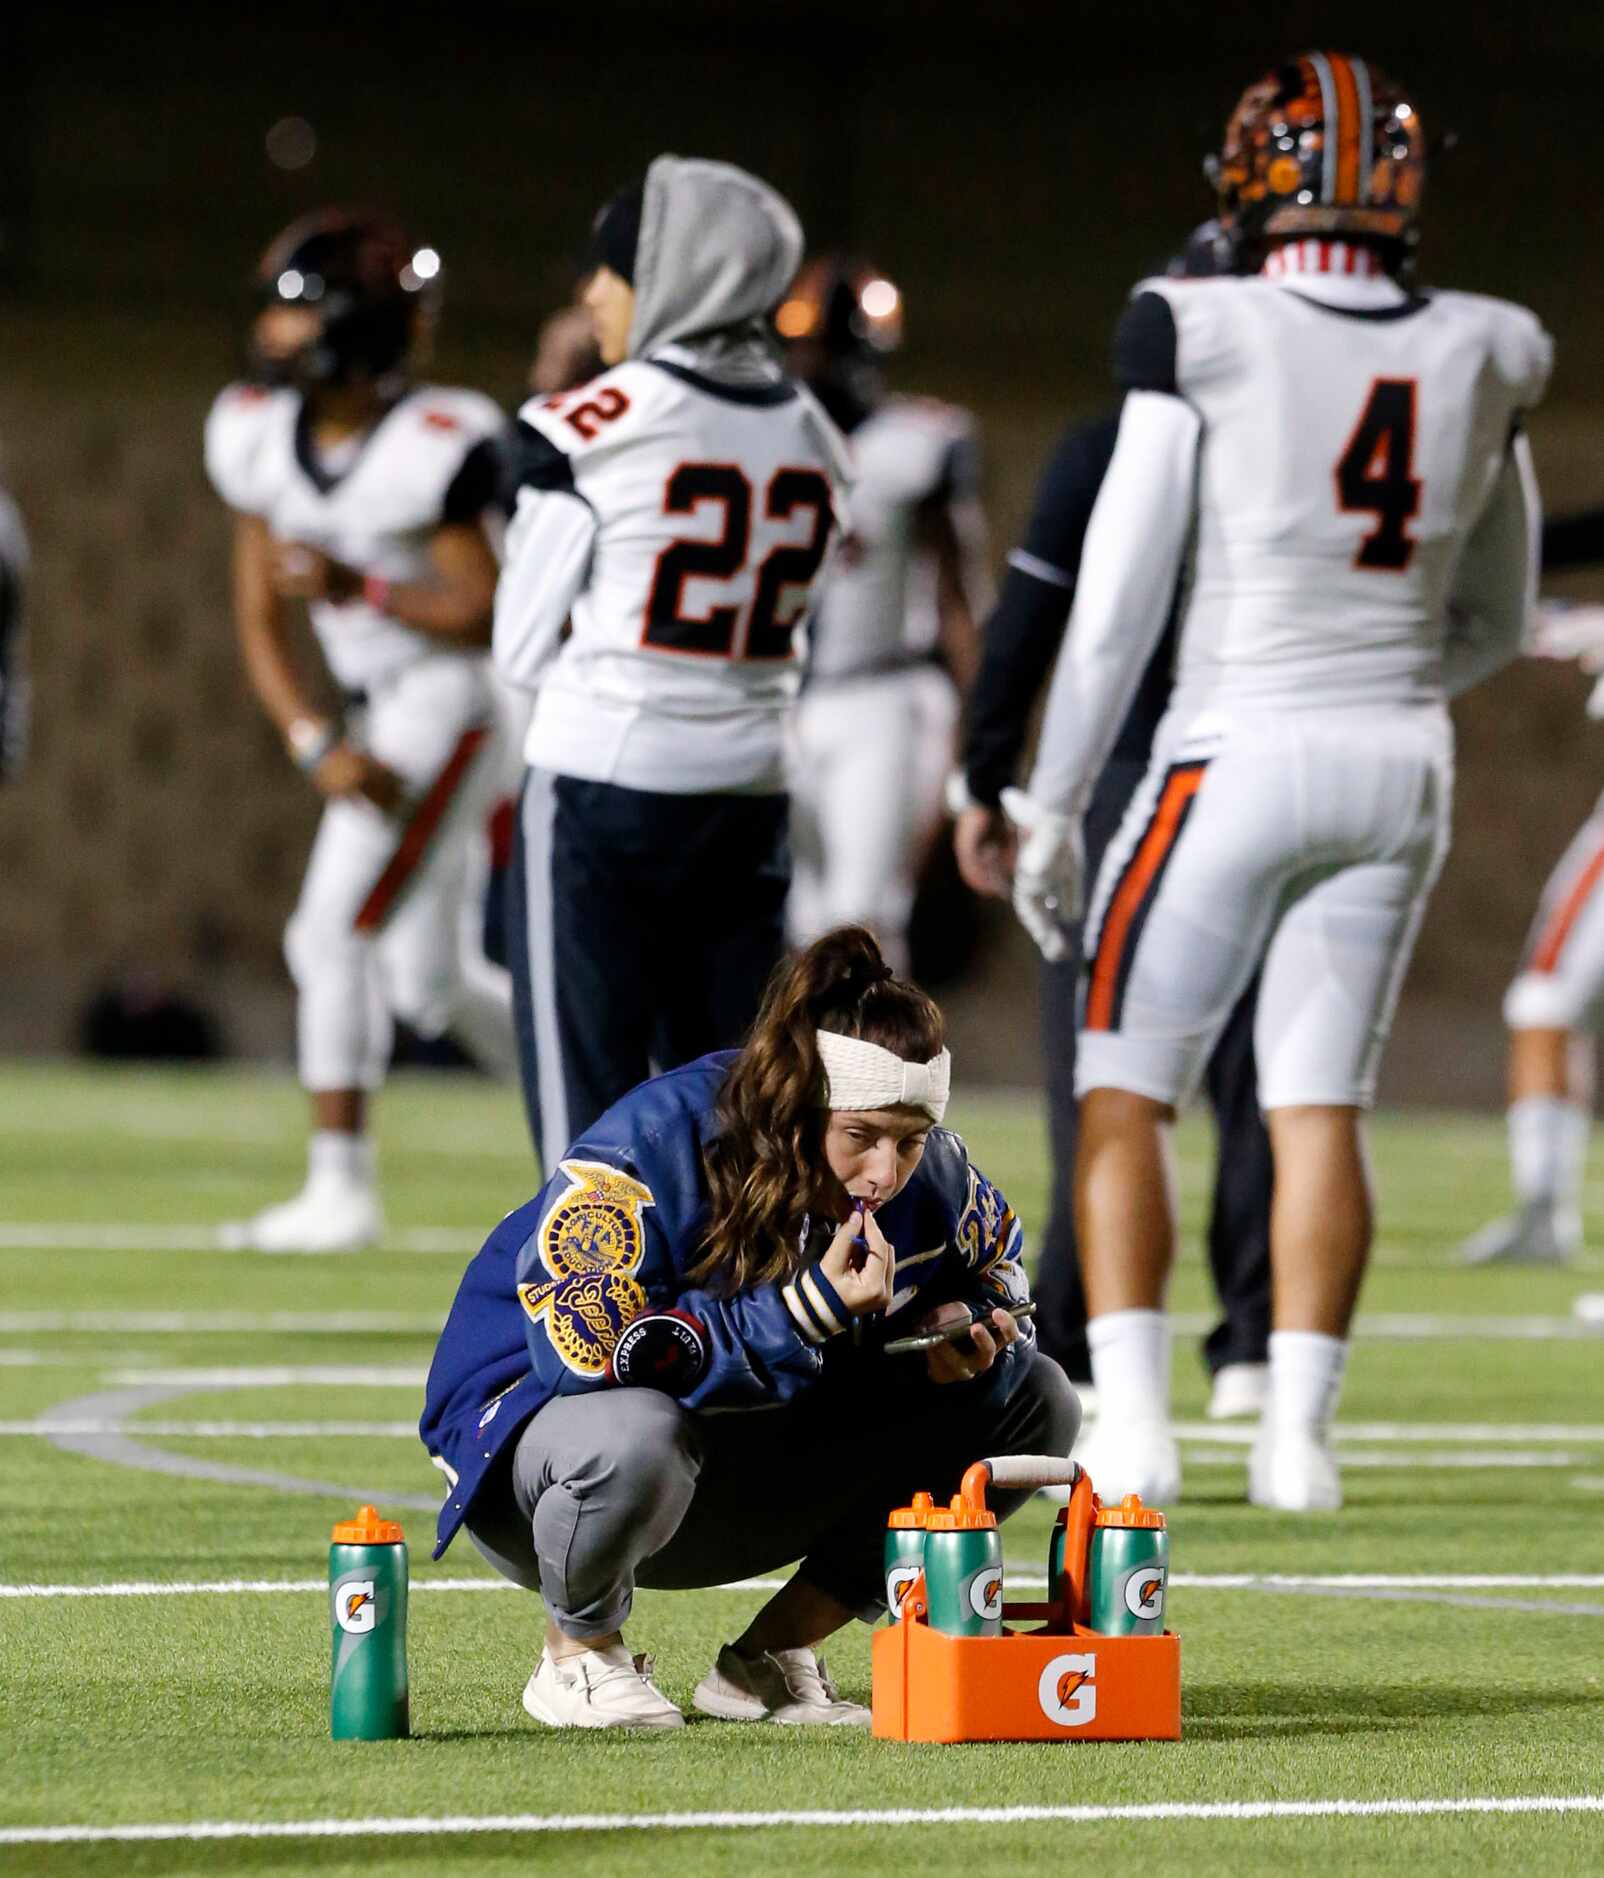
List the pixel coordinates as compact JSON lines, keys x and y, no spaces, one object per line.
{"x":1548,"y":1150}
{"x":334,"y":1155}
{"x":1305,"y":1379}
{"x":1130,"y":1367}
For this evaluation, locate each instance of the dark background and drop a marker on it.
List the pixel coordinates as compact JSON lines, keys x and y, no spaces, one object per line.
{"x":1014,"y":167}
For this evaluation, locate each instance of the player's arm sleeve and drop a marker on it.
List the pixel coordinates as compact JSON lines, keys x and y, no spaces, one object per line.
{"x":1135,"y":543}
{"x":1573,"y":541}
{"x":548,"y":553}
{"x":1494,"y":596}
{"x":1026,"y":628}
{"x":476,"y":488}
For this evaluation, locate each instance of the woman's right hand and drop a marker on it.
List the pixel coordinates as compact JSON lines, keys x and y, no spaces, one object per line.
{"x":861,"y":1274}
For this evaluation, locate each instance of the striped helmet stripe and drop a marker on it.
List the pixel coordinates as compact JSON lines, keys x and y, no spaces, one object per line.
{"x":1328,"y":114}
{"x":1344,"y":130}
{"x":1367,"y":126}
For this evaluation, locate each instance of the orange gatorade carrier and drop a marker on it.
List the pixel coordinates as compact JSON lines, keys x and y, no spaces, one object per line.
{"x":1063,"y":1681}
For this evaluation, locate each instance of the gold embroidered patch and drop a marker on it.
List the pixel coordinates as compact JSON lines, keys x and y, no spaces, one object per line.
{"x":591,"y":1242}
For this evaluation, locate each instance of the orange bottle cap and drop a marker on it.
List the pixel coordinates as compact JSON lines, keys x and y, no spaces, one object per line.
{"x":1131,"y":1512}
{"x":903,"y":1517}
{"x":960,"y":1517}
{"x":368,"y":1529}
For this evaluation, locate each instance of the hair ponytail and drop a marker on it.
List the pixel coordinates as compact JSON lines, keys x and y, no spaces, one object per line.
{"x":763,"y":1164}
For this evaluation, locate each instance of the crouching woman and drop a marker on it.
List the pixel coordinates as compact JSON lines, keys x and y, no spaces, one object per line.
{"x":669,"y":1368}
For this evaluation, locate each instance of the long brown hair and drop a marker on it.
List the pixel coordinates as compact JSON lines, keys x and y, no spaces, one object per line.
{"x":763,"y":1163}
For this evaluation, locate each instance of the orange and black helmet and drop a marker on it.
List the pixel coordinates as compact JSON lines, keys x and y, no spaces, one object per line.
{"x":844,"y":305}
{"x":1323,"y":145}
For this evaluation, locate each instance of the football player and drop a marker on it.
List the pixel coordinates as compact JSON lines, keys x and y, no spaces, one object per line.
{"x":1552,"y":1008}
{"x":1340,"y":460}
{"x":364,"y":495}
{"x":672,"y":518}
{"x":1020,"y":642}
{"x":14,"y":682}
{"x":894,"y":635}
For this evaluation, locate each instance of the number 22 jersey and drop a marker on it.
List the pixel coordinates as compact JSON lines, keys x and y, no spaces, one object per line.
{"x":1349,"y":445}
{"x":662,"y":559}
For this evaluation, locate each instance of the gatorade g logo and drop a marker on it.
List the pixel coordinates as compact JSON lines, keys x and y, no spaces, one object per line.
{"x":1144,"y":1592}
{"x":899,"y":1581}
{"x":1066,"y":1691}
{"x":985,"y":1593}
{"x":354,"y":1608}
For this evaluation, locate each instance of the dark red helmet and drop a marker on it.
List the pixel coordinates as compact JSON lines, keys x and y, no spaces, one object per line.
{"x":361,"y":274}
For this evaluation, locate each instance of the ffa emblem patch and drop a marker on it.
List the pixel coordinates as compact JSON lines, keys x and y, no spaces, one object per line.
{"x":592,"y":1242}
{"x":981,"y":1224}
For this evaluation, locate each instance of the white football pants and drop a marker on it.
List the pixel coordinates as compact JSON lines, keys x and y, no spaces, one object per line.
{"x":1309,"y":841}
{"x":868,"y":759}
{"x":1560,"y":985}
{"x":377,"y":932}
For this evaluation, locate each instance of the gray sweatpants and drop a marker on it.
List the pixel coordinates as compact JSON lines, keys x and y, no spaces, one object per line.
{"x":623,"y":1487}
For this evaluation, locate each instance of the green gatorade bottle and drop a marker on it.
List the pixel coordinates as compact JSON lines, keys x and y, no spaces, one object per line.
{"x":905,"y":1550}
{"x":1130,"y":1565}
{"x":963,"y":1570}
{"x":368,"y":1611}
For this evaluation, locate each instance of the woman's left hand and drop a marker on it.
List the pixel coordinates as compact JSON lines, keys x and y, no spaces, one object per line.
{"x":972,"y":1356}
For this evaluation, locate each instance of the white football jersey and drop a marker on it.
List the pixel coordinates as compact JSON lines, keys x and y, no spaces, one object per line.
{"x":878,"y":608}
{"x":411,"y":473}
{"x":677,"y":524}
{"x":1346,"y":452}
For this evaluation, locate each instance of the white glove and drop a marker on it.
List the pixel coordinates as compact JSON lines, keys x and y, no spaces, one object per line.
{"x":1564,"y":631}
{"x":1048,"y":873}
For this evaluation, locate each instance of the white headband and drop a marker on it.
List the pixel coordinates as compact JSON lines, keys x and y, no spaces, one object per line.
{"x":859,"y":1075}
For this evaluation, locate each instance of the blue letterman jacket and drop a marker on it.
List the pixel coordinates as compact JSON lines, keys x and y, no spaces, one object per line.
{"x":612,"y":1234}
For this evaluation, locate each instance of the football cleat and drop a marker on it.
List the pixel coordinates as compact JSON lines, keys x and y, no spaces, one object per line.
{"x":1240,"y":1391}
{"x":598,"y":1689}
{"x":1292,"y":1470}
{"x":327,"y":1215}
{"x":1539,"y":1234}
{"x":1139,"y":1457}
{"x":788,"y":1686}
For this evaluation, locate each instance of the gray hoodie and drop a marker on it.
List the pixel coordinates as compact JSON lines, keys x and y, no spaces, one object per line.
{"x":717,"y":250}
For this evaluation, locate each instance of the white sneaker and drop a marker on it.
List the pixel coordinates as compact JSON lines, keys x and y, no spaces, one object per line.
{"x":327,"y":1215}
{"x":1140,"y":1457}
{"x":790,"y":1686}
{"x":1240,"y":1391}
{"x":1293,"y":1471}
{"x":1539,"y":1234}
{"x":598,"y":1689}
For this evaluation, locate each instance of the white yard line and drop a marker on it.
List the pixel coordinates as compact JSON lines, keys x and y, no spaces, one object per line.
{"x":1218,"y":1442}
{"x":231,"y":1323}
{"x":1171,"y":1810}
{"x":117,"y":1236}
{"x":277,"y":1376}
{"x":1016,"y":1581}
{"x":221,"y":1431}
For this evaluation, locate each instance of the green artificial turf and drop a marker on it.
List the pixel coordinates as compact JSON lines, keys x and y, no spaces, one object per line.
{"x":214,"y":1707}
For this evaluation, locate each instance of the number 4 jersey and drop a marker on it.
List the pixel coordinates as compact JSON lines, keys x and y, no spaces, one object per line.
{"x":676,"y":525}
{"x":1350,"y":443}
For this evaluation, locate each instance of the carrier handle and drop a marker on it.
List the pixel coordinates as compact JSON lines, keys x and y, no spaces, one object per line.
{"x":1023,"y":1472}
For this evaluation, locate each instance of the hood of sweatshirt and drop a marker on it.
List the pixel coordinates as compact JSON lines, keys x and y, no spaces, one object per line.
{"x":716,"y":252}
